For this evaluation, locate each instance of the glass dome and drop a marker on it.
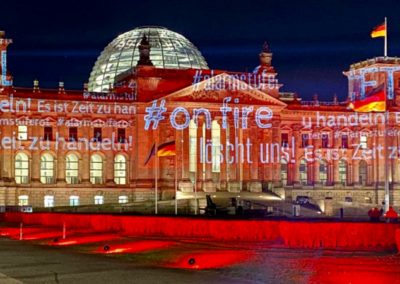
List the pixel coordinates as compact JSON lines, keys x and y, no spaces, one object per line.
{"x":169,"y":50}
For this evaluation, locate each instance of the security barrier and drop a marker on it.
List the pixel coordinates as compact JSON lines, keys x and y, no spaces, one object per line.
{"x":299,"y":234}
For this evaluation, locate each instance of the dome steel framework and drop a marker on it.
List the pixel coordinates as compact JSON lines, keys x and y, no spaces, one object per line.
{"x":169,"y":50}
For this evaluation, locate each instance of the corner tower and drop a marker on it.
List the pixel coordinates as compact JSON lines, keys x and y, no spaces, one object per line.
{"x":372,"y":73}
{"x":265,"y":71}
{"x":5,"y":77}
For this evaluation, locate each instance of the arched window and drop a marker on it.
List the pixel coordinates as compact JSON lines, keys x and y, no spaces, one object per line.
{"x":120,"y":169}
{"x":47,"y":168}
{"x":284,"y":172}
{"x":323,"y":172}
{"x":74,"y":200}
{"x":22,"y":168}
{"x":123,"y":199}
{"x":216,"y":146}
{"x":72,"y":168}
{"x":49,"y":201}
{"x":23,"y":200}
{"x":343,"y":172}
{"x":96,"y":169}
{"x":303,"y":172}
{"x":362,"y":172}
{"x":99,"y":199}
{"x":192,"y":149}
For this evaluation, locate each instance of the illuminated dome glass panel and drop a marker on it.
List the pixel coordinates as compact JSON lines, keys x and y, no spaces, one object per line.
{"x":169,"y":50}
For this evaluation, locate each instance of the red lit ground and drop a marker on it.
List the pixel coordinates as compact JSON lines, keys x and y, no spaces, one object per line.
{"x":166,"y":260}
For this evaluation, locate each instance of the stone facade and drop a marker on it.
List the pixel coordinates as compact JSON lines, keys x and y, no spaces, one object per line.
{"x":314,"y":155}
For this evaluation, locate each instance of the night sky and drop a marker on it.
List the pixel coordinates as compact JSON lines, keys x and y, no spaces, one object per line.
{"x":313,"y":41}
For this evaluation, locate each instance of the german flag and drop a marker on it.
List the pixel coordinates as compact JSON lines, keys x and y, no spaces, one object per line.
{"x":165,"y":149}
{"x":379,"y":31}
{"x":375,"y":100}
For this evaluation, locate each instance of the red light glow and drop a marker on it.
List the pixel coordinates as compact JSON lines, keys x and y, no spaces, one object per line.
{"x":83,"y":240}
{"x":133,"y":247}
{"x":39,"y":236}
{"x":8,"y":232}
{"x":348,"y":270}
{"x":209,"y":260}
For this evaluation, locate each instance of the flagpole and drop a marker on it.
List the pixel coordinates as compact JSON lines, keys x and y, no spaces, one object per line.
{"x":176,"y":186}
{"x":386,"y":162}
{"x":195,"y":192}
{"x":156,"y":177}
{"x":386,"y":32}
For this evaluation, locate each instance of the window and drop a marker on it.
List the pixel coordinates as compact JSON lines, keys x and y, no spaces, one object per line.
{"x":325,"y":140}
{"x":123,"y":199}
{"x":216,"y":147}
{"x":99,"y":199}
{"x":23,"y":200}
{"x":74,"y":200}
{"x":22,"y":132}
{"x":22,"y":168}
{"x":284,"y":172}
{"x":323,"y":172}
{"x":345,"y":141}
{"x":285,"y":139}
{"x":73,"y":134}
{"x":121,"y":135}
{"x":96,"y":169}
{"x":47,"y":169}
{"x":303,"y":172}
{"x":49,"y":201}
{"x":120,"y":169}
{"x":362,"y":172}
{"x":48,"y":133}
{"x":363,"y":141}
{"x":97,"y":134}
{"x":304,"y":140}
{"x":72,"y":168}
{"x":343,"y":172}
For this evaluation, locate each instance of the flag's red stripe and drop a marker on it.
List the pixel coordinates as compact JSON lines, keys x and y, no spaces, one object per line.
{"x":380,"y":28}
{"x":168,"y":150}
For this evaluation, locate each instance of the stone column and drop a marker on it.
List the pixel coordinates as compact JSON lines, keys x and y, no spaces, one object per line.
{"x":255,"y":184}
{"x":110,"y":157}
{"x":276,"y":140}
{"x":60,"y":147}
{"x":296,"y":146}
{"x":223,"y":165}
{"x":234,"y":183}
{"x":199,"y":149}
{"x":335,"y":162}
{"x":208,"y":185}
{"x":185,"y":185}
{"x":86,"y":133}
{"x":355,"y":163}
{"x":317,"y":145}
{"x":380,"y":156}
{"x":36,"y":165}
{"x":394,"y":160}
{"x":267,"y":144}
{"x":133,"y":157}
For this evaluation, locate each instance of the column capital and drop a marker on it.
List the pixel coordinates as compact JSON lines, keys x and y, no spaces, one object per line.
{"x":276,"y":123}
{"x":297,"y":127}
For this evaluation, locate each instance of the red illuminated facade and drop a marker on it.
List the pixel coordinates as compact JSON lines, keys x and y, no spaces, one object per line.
{"x":91,"y":147}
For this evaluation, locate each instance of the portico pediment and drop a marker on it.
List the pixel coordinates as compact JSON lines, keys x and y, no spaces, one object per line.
{"x":218,"y":88}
